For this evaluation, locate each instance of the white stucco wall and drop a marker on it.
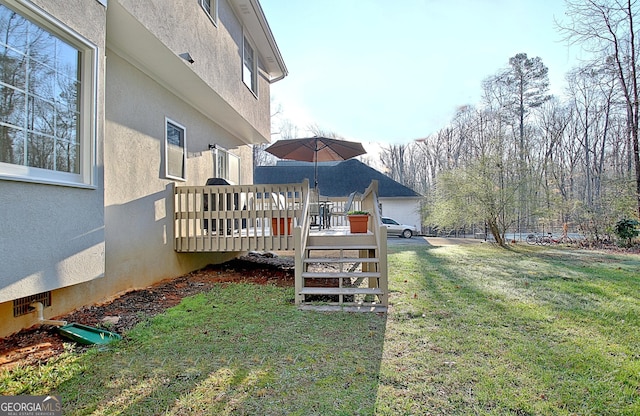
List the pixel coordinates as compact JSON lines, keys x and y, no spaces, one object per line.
{"x":182,"y":26}
{"x":403,"y":210}
{"x":52,"y":236}
{"x":138,"y":221}
{"x":88,"y":245}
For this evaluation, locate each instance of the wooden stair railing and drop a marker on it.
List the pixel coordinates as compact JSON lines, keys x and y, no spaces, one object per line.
{"x":344,"y":272}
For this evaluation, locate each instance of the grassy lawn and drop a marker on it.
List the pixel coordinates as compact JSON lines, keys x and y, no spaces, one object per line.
{"x":471,"y":329}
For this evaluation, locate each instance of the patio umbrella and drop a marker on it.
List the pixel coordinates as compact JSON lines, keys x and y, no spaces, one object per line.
{"x":316,"y":149}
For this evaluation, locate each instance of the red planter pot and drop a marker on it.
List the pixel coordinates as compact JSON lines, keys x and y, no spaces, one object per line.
{"x":358,"y":223}
{"x":283,"y":230}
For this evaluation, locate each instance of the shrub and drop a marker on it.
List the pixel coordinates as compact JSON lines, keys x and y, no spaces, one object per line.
{"x":627,"y":229}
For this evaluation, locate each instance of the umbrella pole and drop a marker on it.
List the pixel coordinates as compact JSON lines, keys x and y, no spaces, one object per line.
{"x":315,"y":167}
{"x":316,"y":176}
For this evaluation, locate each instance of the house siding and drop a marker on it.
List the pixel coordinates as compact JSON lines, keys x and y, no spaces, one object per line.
{"x":138,"y":201}
{"x":53,"y":236}
{"x":403,"y":210}
{"x":182,"y":26}
{"x":89,"y":245}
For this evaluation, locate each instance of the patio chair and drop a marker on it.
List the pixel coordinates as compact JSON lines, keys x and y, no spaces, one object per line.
{"x":347,"y":205}
{"x":314,"y":208}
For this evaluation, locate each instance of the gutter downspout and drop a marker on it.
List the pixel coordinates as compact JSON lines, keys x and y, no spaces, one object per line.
{"x":272,"y":80}
{"x":40,"y":310}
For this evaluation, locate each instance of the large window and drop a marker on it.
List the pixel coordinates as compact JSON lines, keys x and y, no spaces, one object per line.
{"x":175,"y":151}
{"x":46,"y":100}
{"x":211,"y":9}
{"x":249,"y":67}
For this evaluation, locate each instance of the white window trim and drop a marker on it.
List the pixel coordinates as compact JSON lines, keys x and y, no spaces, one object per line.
{"x":226,"y":176}
{"x":213,"y":16}
{"x":239,"y":164}
{"x":88,"y":103}
{"x":254,"y":69}
{"x":168,"y":121}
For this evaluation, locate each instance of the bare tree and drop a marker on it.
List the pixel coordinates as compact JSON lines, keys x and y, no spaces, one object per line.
{"x":392,"y":158}
{"x":514,"y":93}
{"x":317,"y":130}
{"x":607,"y":27}
{"x":280,"y":129}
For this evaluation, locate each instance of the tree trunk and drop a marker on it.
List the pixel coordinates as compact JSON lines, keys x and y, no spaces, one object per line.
{"x":636,"y":156}
{"x":495,"y":231}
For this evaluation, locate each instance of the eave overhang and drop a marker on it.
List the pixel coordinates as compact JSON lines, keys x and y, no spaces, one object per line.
{"x":252,"y":16}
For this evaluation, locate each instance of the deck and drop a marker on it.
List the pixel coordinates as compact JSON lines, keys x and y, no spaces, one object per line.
{"x":230,"y":218}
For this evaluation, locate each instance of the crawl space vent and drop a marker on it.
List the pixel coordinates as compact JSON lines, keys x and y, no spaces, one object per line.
{"x":21,"y":306}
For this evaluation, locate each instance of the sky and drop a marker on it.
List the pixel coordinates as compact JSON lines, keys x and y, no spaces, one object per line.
{"x":394,"y":71}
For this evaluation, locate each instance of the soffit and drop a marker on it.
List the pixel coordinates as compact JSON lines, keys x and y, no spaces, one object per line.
{"x":252,"y":16}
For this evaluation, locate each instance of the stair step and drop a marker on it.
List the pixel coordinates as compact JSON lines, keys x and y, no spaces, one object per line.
{"x":334,"y":275}
{"x":343,"y":308}
{"x":341,"y":291}
{"x":341,"y":260}
{"x":341,"y":247}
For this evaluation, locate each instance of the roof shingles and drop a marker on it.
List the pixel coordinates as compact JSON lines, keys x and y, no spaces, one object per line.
{"x":334,"y":179}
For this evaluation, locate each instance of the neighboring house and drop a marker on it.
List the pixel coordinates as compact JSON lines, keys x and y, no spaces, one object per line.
{"x":105,"y":105}
{"x":339,"y":179}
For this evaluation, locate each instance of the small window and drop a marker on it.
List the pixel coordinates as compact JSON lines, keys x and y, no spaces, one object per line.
{"x":175,"y":151}
{"x":210,"y":7}
{"x":226,"y":166}
{"x":249,"y":67}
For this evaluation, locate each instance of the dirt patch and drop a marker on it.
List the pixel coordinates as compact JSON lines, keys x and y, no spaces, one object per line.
{"x":40,"y":343}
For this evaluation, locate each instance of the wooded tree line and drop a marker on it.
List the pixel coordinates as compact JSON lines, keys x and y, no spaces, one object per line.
{"x":523,"y":160}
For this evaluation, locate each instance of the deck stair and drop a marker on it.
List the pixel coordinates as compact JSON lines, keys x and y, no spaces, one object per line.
{"x":343,"y":271}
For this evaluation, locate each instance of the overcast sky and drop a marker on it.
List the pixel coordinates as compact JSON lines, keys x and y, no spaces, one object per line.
{"x":392,"y":72}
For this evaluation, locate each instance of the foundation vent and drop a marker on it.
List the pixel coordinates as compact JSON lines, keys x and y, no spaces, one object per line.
{"x":21,"y":306}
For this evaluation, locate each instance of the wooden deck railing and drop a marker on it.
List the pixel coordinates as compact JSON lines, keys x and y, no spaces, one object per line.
{"x":239,"y":217}
{"x":371,"y":203}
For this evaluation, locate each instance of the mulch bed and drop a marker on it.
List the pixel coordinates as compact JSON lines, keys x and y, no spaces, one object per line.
{"x":40,"y":343}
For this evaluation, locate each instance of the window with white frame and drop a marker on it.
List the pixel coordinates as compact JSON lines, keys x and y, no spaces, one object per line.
{"x":226,"y":165}
{"x":249,"y":67}
{"x":175,"y":151}
{"x":47,"y":93}
{"x":210,"y":7}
